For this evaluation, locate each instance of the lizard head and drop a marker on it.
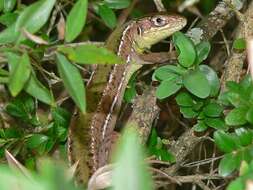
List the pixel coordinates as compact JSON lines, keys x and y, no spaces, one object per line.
{"x":152,"y":29}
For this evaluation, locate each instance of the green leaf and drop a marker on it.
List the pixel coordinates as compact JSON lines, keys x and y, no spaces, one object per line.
{"x":245,"y":136}
{"x":185,"y":48}
{"x":213,"y":110}
{"x":13,"y":60}
{"x":200,"y":126}
{"x":249,"y":115}
{"x":184,"y":99}
{"x":45,"y":146}
{"x":91,"y":54}
{"x":237,"y":116}
{"x":39,"y":91}
{"x":12,"y":133}
{"x":76,"y":20}
{"x":167,"y":88}
{"x":246,"y":82}
{"x":72,"y":81}
{"x":197,"y":105}
{"x":239,"y":44}
{"x":61,"y":116}
{"x":237,"y":184}
{"x":36,"y":140}
{"x":19,"y":107}
{"x":234,"y":99}
{"x":8,"y":19}
{"x":9,"y":5}
{"x":131,"y":171}
{"x":107,"y":15}
{"x":4,"y":80}
{"x":244,"y":168}
{"x":227,"y":165}
{"x":130,"y":91}
{"x":8,"y":35}
{"x":164,"y":155}
{"x":117,"y":4}
{"x":203,"y":49}
{"x":188,"y":112}
{"x":3,"y":72}
{"x":1,"y":5}
{"x":215,"y":123}
{"x":224,"y":141}
{"x":33,"y":17}
{"x":152,"y":141}
{"x":20,"y":75}
{"x":195,"y":81}
{"x":212,"y":78}
{"x":168,"y":72}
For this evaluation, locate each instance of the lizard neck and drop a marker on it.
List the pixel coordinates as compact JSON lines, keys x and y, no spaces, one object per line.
{"x":125,"y":45}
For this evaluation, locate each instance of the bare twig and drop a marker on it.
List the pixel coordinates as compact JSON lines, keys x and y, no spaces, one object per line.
{"x":159,"y":5}
{"x":125,"y":13}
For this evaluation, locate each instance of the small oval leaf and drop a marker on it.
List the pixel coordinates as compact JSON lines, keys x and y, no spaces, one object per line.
{"x":36,"y":140}
{"x":107,"y":15}
{"x":167,"y":88}
{"x":213,"y":110}
{"x":35,"y":16}
{"x":237,"y":116}
{"x":72,"y":81}
{"x":227,"y":165}
{"x":185,"y":48}
{"x":203,"y":49}
{"x":195,"y":81}
{"x":76,"y":20}
{"x":39,"y":91}
{"x":212,"y":78}
{"x":9,"y":5}
{"x":117,"y":4}
{"x":184,"y":99}
{"x":20,"y":75}
{"x":224,"y":141}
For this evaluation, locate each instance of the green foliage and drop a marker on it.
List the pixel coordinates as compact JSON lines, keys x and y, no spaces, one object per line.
{"x":19,"y":75}
{"x":157,"y":147}
{"x":117,"y":4}
{"x":33,"y":17}
{"x":36,"y":100}
{"x":183,"y":45}
{"x":200,"y":80}
{"x":238,"y":147}
{"x":196,"y":88}
{"x":39,"y":123}
{"x":51,"y":176}
{"x":107,"y":15}
{"x":244,"y":179}
{"x":72,"y":80}
{"x":130,"y":91}
{"x":90,"y":54}
{"x":240,"y":97}
{"x":130,"y":171}
{"x":76,"y":20}
{"x":239,"y":44}
{"x":33,"y":133}
{"x":9,"y":5}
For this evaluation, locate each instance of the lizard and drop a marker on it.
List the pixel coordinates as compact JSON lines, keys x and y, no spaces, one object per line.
{"x":89,"y":138}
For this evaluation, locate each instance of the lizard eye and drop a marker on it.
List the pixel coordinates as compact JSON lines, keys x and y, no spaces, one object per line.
{"x":159,"y":21}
